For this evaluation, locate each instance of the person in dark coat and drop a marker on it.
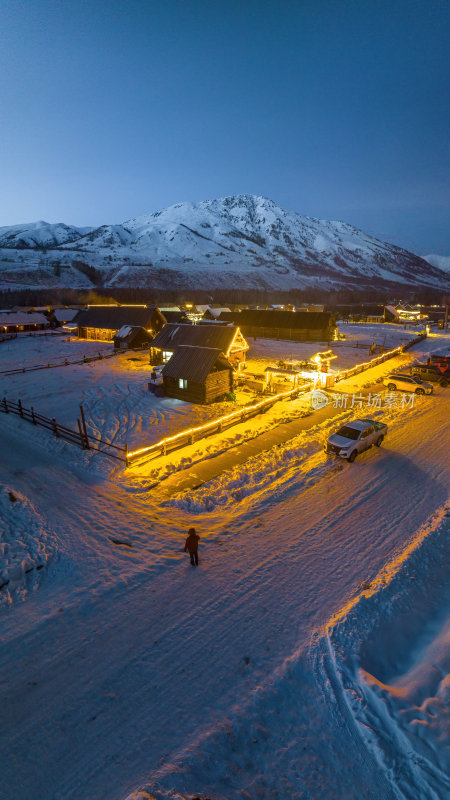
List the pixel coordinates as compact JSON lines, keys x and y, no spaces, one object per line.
{"x":191,"y":546}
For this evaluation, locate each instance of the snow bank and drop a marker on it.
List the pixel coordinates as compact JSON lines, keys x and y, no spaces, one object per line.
{"x":387,"y":656}
{"x":26,"y":546}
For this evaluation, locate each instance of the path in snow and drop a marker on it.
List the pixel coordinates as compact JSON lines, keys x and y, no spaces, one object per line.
{"x":148,"y":656}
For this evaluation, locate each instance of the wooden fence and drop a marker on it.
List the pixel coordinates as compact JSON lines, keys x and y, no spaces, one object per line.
{"x":192,"y":435}
{"x":6,"y":337}
{"x":65,"y":363}
{"x":79,"y":438}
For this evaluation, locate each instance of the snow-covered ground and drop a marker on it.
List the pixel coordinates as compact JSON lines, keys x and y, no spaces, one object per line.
{"x":114,"y":394}
{"x":306,"y":657}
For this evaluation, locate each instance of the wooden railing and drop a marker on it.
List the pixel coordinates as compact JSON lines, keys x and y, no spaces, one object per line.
{"x":65,"y":363}
{"x":192,"y":435}
{"x":79,"y":437}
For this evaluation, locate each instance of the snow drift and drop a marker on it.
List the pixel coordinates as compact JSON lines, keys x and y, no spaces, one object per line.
{"x":26,"y":546}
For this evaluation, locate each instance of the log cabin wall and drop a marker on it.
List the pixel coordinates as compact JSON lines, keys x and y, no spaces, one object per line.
{"x":217,"y":385}
{"x":291,"y":334}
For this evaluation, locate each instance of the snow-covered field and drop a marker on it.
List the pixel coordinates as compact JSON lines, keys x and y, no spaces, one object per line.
{"x":306,"y":657}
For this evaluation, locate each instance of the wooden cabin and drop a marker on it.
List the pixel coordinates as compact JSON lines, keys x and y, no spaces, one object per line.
{"x":62,"y":316}
{"x":225,"y":338}
{"x":18,"y":321}
{"x":296,"y":326}
{"x":198,"y":375}
{"x":103,"y":322}
{"x":130,"y":337}
{"x":214,"y":313}
{"x":175,"y":315}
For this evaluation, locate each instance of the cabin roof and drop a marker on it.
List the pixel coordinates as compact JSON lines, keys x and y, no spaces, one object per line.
{"x":173,"y":336}
{"x":114,"y":317}
{"x":22,"y":318}
{"x":305,"y":320}
{"x":194,"y":363}
{"x":65,"y":314}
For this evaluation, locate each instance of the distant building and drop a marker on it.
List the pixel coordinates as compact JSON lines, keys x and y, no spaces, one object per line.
{"x":174,"y":315}
{"x":198,"y":375}
{"x":214,"y":313}
{"x":18,"y":321}
{"x":402,"y":312}
{"x":103,"y":322}
{"x":130,"y":337}
{"x":225,"y":338}
{"x":61,"y":316}
{"x":297,"y":326}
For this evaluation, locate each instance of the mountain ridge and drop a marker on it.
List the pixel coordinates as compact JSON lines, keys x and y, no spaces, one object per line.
{"x":244,"y":241}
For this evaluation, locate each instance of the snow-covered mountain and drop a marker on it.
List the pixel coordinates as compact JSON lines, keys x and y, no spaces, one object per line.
{"x":243,"y":241}
{"x":39,"y":235}
{"x":441,"y":262}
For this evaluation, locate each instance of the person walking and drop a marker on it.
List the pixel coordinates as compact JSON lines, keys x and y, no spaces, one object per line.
{"x":191,"y":546}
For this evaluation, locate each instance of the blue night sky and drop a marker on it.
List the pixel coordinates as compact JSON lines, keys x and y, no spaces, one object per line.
{"x":336,"y":109}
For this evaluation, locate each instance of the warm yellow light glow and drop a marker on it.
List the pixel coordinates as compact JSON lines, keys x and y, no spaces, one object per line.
{"x":238,"y":349}
{"x":214,"y":423}
{"x":270,"y":401}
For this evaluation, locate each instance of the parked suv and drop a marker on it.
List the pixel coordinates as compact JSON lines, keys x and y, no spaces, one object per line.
{"x":439,"y":359}
{"x":430,"y":372}
{"x":406,"y":383}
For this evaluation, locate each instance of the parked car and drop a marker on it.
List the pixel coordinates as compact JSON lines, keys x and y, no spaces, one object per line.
{"x":439,"y":359}
{"x":432,"y":373}
{"x":355,"y":437}
{"x":407,"y":383}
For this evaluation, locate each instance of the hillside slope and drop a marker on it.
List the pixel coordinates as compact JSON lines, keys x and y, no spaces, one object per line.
{"x":243,"y":241}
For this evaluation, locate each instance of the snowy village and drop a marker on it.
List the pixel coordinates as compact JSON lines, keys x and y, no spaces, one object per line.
{"x":224,"y":401}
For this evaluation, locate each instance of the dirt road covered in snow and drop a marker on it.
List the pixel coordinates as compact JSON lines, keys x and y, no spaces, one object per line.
{"x":124,"y":667}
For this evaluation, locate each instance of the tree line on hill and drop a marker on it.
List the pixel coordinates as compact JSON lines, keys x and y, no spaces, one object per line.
{"x":223,"y":297}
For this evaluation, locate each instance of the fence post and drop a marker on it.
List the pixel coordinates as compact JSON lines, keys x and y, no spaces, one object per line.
{"x":55,"y":427}
{"x":191,"y":438}
{"x":164,"y":448}
{"x":19,"y":403}
{"x":32,"y":416}
{"x":81,"y":433}
{"x":86,"y":437}
{"x":126,"y":455}
{"x":5,"y":405}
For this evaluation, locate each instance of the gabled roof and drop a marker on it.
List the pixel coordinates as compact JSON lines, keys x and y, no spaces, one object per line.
{"x":173,"y":336}
{"x":303,"y":320}
{"x":216,"y":312}
{"x":123,"y":332}
{"x":172,"y":315}
{"x":113,"y":317}
{"x":195,"y":363}
{"x":65,"y":314}
{"x":21,"y":318}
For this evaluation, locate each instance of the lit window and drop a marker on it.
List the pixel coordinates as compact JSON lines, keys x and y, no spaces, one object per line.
{"x":182,"y":383}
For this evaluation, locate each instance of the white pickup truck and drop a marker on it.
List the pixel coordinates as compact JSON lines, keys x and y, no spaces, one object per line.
{"x":356,"y":436}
